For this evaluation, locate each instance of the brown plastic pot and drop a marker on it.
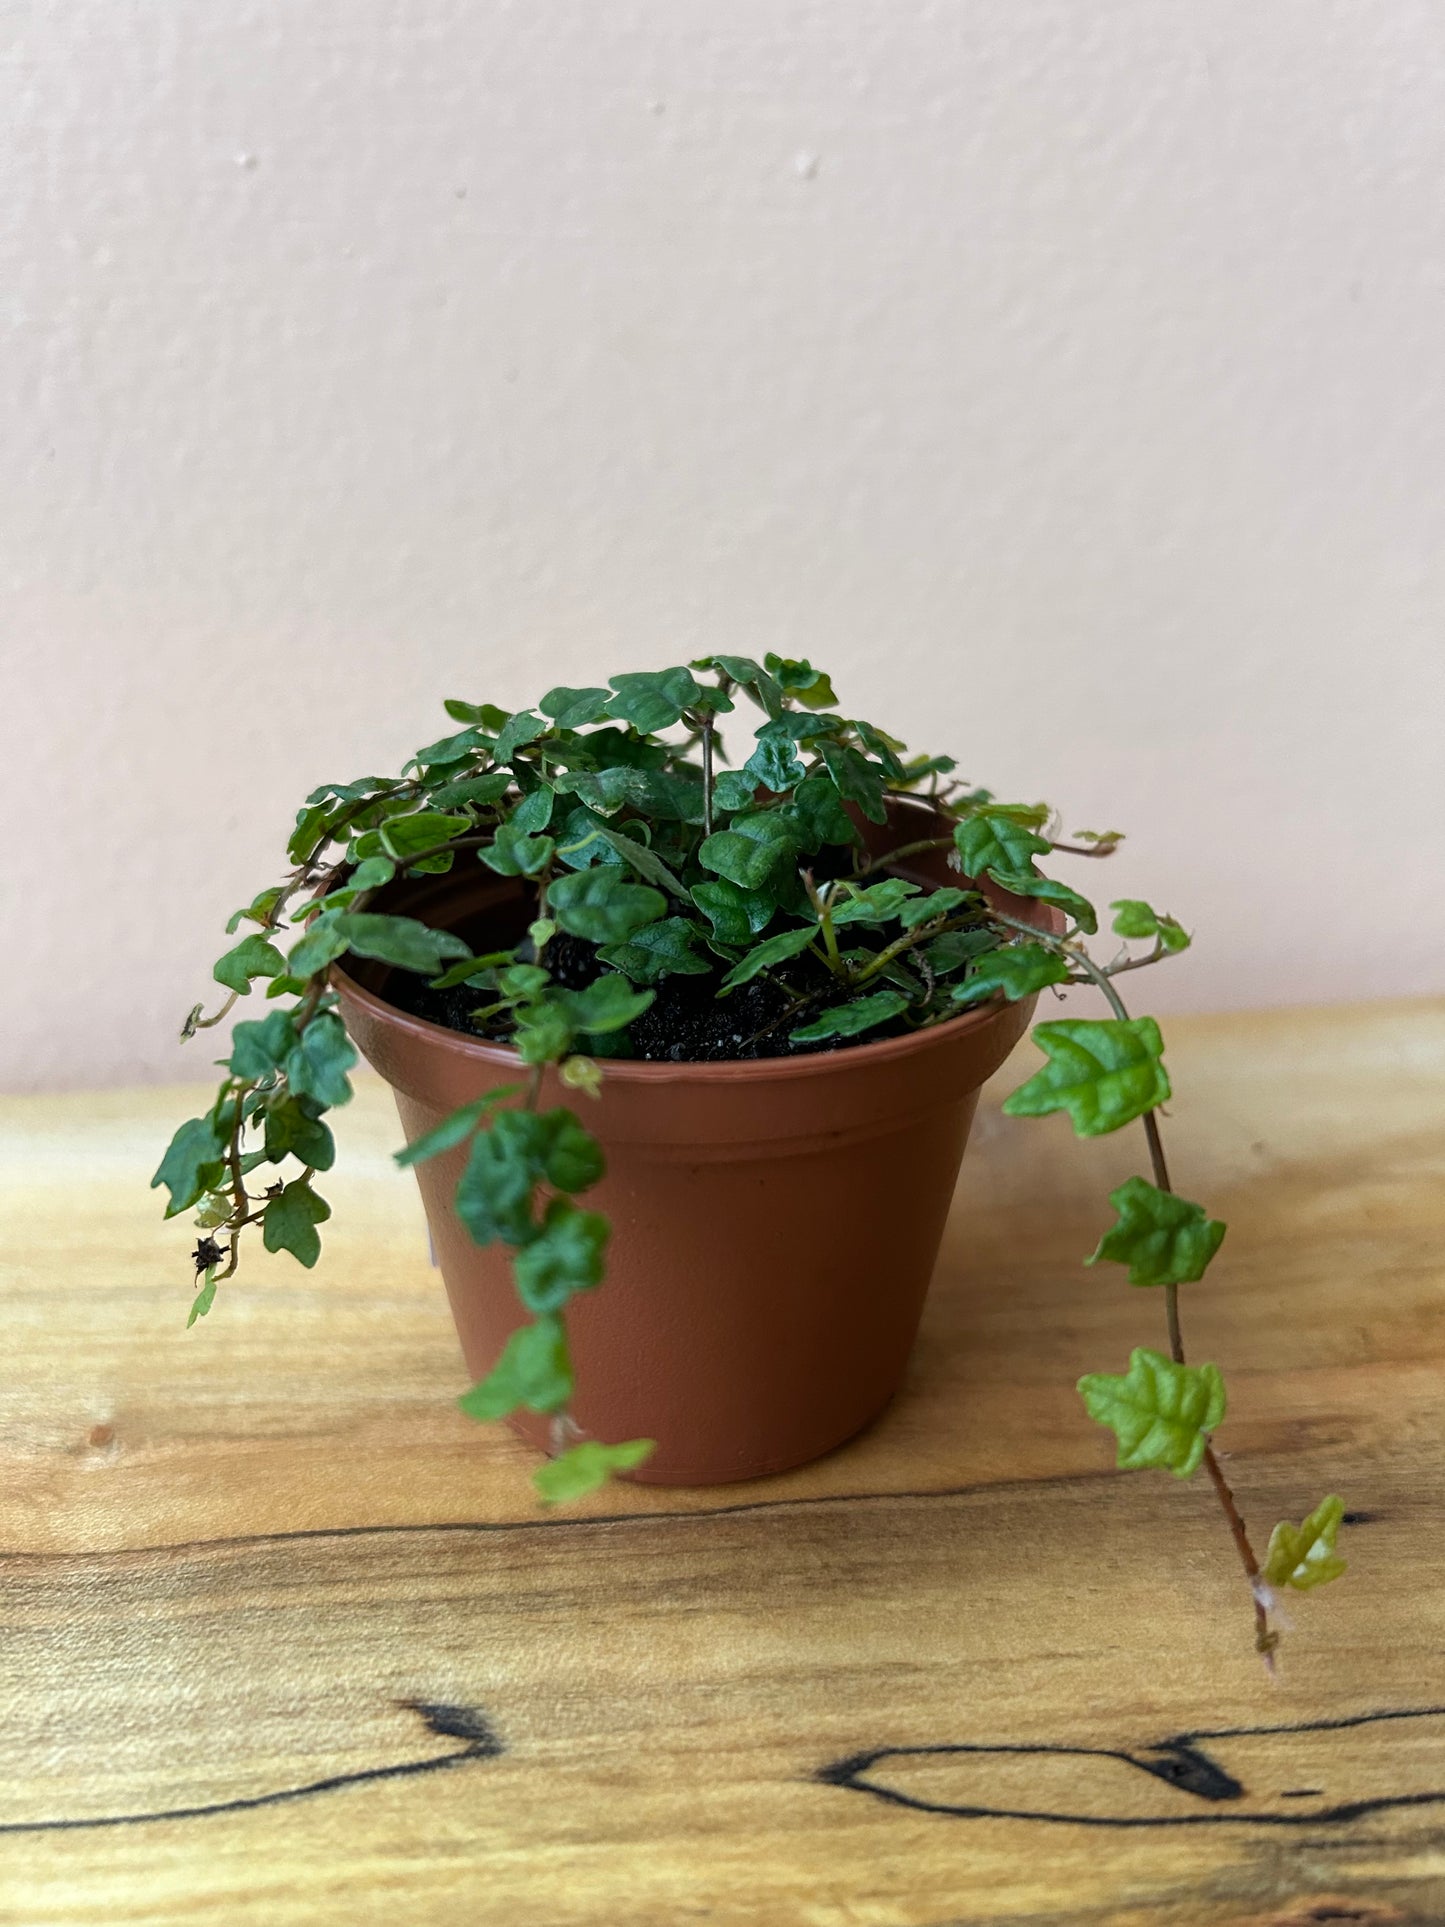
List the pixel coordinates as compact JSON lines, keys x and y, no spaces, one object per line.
{"x":774,"y":1223}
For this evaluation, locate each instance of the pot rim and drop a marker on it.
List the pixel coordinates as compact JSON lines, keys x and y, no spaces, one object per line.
{"x":735,"y":1070}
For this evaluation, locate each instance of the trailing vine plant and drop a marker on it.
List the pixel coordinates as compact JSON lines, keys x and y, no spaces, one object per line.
{"x":649,"y":860}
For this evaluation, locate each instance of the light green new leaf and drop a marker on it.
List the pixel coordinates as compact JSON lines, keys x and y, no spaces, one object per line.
{"x":252,"y":957}
{"x":204,"y":1298}
{"x":1163,"y":1239}
{"x":653,"y":699}
{"x":1020,"y":970}
{"x":1160,"y":1412}
{"x":319,"y":1061}
{"x":1304,"y":1556}
{"x":658,"y":950}
{"x":1136,"y":919}
{"x":454,"y":1129}
{"x":192,"y":1164}
{"x":847,"y":1020}
{"x":290,"y":1222}
{"x":566,"y":1256}
{"x":601,"y":906}
{"x":1104,"y":1072}
{"x":773,"y":950}
{"x":401,"y":941}
{"x":585,"y":1467}
{"x":999,"y":842}
{"x":403,"y":837}
{"x":534,"y":1372}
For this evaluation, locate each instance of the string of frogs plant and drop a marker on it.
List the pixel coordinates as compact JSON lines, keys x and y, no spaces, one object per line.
{"x":614,"y":807}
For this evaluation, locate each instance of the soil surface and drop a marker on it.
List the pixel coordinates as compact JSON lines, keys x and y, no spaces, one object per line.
{"x":687,"y":1022}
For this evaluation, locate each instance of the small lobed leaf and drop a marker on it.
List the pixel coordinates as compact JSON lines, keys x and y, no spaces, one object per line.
{"x":774,"y":763}
{"x":1019,"y":970}
{"x":872,"y":903}
{"x":322,"y":945}
{"x":401,"y":941}
{"x":290,"y":1220}
{"x":658,"y":950}
{"x":849,"y":1020}
{"x":640,"y":858}
{"x":1103,"y":1071}
{"x":291,"y":1131}
{"x":516,"y":733}
{"x":1134,"y":918}
{"x":404,"y":837}
{"x":192,"y":1164}
{"x":1062,"y":895}
{"x":512,"y":853}
{"x":1162,"y":1238}
{"x":750,"y":849}
{"x":1304,"y":1556}
{"x":260,"y":1048}
{"x":319,"y":1060}
{"x":1000,"y":842}
{"x":938,"y":903}
{"x":653,"y":700}
{"x":601,"y":906}
{"x":566,"y":1256}
{"x":252,"y":957}
{"x":485,"y":715}
{"x":772,"y":950}
{"x":856,"y":780}
{"x":736,"y":915}
{"x":586,"y":1467}
{"x":1161,"y":1413}
{"x":204,"y":1298}
{"x":811,"y":686}
{"x":955,"y":948}
{"x":454,"y":1129}
{"x":608,"y":1003}
{"x":534,"y":1373}
{"x":574,"y":708}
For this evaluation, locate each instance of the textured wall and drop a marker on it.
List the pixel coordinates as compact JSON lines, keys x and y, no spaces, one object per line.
{"x":1068,"y":379}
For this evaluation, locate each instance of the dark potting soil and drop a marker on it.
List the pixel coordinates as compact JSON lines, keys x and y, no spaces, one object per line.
{"x":687,"y":1021}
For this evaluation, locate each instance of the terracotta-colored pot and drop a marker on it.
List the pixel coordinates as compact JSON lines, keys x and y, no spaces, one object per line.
{"x":774,"y":1223}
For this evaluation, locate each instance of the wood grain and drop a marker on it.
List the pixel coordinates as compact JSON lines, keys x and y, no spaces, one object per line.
{"x":261,"y":1578}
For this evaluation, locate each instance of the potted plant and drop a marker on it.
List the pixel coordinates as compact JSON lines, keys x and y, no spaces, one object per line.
{"x":774,"y":991}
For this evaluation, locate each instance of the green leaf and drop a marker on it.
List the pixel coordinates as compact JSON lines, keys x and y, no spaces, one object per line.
{"x":772,"y":950}
{"x":585,"y":1467}
{"x":292,"y":1132}
{"x":480,"y":790}
{"x":820,"y":809}
{"x":571,"y":1157}
{"x":1050,"y":890}
{"x":811,"y":686}
{"x":1136,"y":919}
{"x":1018,"y":971}
{"x":252,"y":957}
{"x":258,"y":1049}
{"x":534,"y":812}
{"x":750,"y":849}
{"x":925,"y":909}
{"x":957,"y":947}
{"x":735,"y":915}
{"x":514,"y":854}
{"x":257,"y":911}
{"x":574,"y":708}
{"x":454,"y":1128}
{"x":763,"y":688}
{"x":312,"y":829}
{"x":1304,"y":1556}
{"x":774,"y":763}
{"x":996,"y":843}
{"x":856,"y":780}
{"x":608,"y":1003}
{"x":484,"y":715}
{"x":192,"y":1164}
{"x":1104,"y":1072}
{"x":401,"y":941}
{"x":601,"y":907}
{"x":544,"y":1033}
{"x":641,"y":859}
{"x":322,"y":945}
{"x":317,"y":1065}
{"x":534,"y":1372}
{"x":566,"y":1256}
{"x":604,"y":792}
{"x":204,"y":1298}
{"x":734,"y":789}
{"x":847,"y":1020}
{"x":1160,"y":1412}
{"x":657,"y":950}
{"x":873,"y":903}
{"x":403,"y":837}
{"x":516,"y":732}
{"x":1163,"y":1239}
{"x":290,"y":1222}
{"x":653,"y":700}
{"x":494,"y":1194}
{"x":450,"y":749}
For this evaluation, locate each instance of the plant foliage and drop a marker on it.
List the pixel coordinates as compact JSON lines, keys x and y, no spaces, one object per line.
{"x":795,"y":869}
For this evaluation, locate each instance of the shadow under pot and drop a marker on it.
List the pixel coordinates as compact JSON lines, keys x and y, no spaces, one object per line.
{"x":775,"y":1222}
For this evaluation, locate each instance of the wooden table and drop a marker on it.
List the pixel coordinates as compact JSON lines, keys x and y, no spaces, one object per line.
{"x":282,"y":1638}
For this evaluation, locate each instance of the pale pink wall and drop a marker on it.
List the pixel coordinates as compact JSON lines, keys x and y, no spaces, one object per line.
{"x":1069,"y":380}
